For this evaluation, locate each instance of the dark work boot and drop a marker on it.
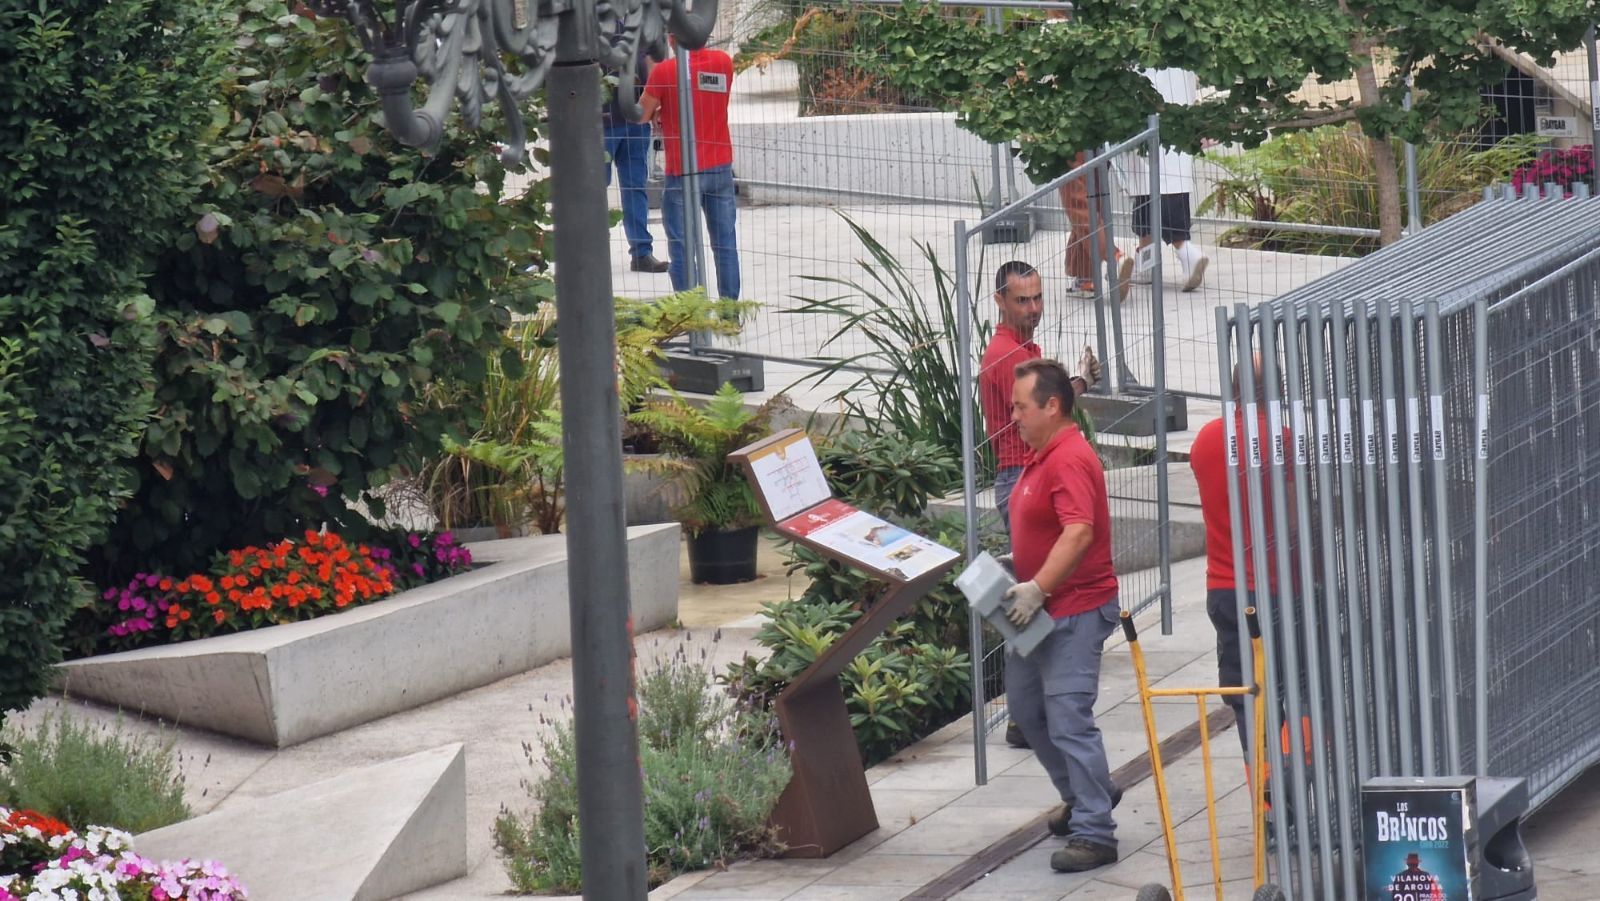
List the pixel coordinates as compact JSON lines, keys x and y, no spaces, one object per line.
{"x":1014,"y":735}
{"x":1060,"y":821}
{"x":1081,"y":854}
{"x":648,"y":263}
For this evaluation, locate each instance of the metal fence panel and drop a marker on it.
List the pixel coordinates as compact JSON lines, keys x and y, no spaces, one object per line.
{"x":1442,"y":408}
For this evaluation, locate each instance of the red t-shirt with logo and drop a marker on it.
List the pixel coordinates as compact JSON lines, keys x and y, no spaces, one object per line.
{"x":710,"y":84}
{"x":1060,"y":486}
{"x":996,"y":374}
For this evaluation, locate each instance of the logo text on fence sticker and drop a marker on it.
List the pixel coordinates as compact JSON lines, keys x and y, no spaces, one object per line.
{"x":1436,"y":417}
{"x":1415,"y":428}
{"x":1483,"y":427}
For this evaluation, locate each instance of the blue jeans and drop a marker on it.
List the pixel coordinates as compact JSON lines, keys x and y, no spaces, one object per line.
{"x":720,"y":208}
{"x":628,"y":145}
{"x":1050,"y":694}
{"x":1005,"y":481}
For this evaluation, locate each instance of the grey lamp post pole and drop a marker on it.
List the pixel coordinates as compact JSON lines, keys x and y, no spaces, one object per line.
{"x":463,"y":45}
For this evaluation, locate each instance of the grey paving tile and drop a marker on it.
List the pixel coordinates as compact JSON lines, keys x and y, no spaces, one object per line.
{"x":929,"y":772}
{"x":964,"y":830}
{"x":850,"y":893}
{"x":883,"y":869}
{"x":1029,"y":873}
{"x":1030,"y":788}
{"x":759,"y":880}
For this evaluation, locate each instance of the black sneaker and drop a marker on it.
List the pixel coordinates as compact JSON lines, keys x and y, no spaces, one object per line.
{"x":1081,"y":854}
{"x":1060,"y":821}
{"x":1014,"y":735}
{"x":648,"y":263}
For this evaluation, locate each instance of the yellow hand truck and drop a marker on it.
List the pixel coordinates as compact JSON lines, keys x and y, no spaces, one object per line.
{"x":1155,"y":891}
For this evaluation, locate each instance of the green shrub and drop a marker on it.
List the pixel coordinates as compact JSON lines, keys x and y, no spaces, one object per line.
{"x":712,"y":774}
{"x":327,"y":276}
{"x":1326,"y":176}
{"x":102,"y":106}
{"x":93,"y":775}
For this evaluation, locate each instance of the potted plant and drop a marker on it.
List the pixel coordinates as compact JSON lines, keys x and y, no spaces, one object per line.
{"x":713,"y":499}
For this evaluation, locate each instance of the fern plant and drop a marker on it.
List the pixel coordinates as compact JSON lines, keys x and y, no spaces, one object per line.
{"x":713,"y":494}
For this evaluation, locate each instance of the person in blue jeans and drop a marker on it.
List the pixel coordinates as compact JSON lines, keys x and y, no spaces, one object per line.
{"x":710,"y":86}
{"x":628,"y":146}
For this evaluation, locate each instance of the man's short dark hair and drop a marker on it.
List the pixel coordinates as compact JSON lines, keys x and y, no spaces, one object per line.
{"x":1051,"y":379}
{"x":1002,"y":276}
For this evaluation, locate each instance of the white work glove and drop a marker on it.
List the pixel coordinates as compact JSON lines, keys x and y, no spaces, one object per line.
{"x":1025,"y":600}
{"x":1088,"y":367}
{"x":1006,"y":564}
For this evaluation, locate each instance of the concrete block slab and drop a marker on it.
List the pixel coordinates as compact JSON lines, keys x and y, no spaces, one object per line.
{"x":372,"y":834}
{"x":283,"y":685}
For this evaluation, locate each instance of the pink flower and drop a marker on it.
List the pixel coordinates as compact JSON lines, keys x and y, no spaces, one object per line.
{"x":415,"y":539}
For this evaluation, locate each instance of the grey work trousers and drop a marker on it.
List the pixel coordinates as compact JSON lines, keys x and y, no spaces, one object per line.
{"x":1051,"y":695}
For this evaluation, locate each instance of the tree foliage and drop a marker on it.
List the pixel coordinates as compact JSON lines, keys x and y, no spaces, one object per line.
{"x":100,"y":106}
{"x":1068,"y":86}
{"x":327,"y":276}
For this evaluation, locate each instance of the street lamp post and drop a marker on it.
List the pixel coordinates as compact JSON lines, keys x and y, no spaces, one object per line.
{"x":461,"y":49}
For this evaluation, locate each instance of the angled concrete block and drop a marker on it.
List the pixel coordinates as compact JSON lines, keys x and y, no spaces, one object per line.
{"x":368,"y":835}
{"x":287,"y":684}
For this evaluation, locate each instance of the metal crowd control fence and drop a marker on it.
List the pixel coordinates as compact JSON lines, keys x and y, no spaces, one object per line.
{"x":1128,"y":338}
{"x":1415,"y":448}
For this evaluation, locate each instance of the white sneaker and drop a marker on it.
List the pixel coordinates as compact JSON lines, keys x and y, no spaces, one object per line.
{"x":1194,"y":266}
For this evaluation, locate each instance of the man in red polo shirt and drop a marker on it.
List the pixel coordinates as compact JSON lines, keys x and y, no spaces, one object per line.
{"x":1020,"y":296}
{"x":1061,"y":554}
{"x":710,"y":86}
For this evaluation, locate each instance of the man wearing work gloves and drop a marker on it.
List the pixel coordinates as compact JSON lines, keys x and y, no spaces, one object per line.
{"x":1061,"y":556}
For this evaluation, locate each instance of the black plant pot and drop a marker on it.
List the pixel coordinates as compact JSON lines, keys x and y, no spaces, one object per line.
{"x":723,"y":557}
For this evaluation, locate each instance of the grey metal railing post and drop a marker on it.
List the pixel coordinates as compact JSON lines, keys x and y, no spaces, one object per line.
{"x":1159,"y":376}
{"x":694,"y":259}
{"x":1413,"y":190}
{"x":1480,"y":536}
{"x":1594,"y":106}
{"x":1376,"y":618}
{"x":1104,"y":290}
{"x":1285,"y":615}
{"x":969,"y":485}
{"x":1399,"y":617}
{"x":1107,"y":263}
{"x":1241,"y":591}
{"x":1419,"y":563}
{"x":1441,"y":537}
{"x":1358,"y":710}
{"x":1266,"y":612}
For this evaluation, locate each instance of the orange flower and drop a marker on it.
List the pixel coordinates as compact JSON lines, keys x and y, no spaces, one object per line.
{"x":166,"y":584}
{"x":213,"y":598}
{"x":218,"y":615}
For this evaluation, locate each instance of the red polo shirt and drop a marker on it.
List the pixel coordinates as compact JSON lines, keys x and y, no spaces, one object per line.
{"x":996,"y":374}
{"x":710,"y":84}
{"x":1060,"y":486}
{"x":1208,"y":457}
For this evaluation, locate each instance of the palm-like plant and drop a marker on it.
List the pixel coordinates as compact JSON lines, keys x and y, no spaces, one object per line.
{"x":713,"y":494}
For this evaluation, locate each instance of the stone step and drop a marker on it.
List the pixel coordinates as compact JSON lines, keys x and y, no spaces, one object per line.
{"x":370,"y":834}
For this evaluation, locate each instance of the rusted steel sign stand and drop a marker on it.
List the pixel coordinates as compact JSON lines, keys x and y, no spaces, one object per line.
{"x":827,"y":804}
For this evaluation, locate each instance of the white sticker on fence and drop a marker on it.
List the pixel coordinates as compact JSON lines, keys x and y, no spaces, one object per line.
{"x":1275,"y":426}
{"x":1392,"y":423}
{"x":1347,"y":441}
{"x":1302,"y":434}
{"x":1231,"y":435}
{"x":1252,"y":431}
{"x":1324,"y":437}
{"x":1483,"y":427}
{"x":1370,"y":435}
{"x":1436,"y":418}
{"x":1416,"y":429}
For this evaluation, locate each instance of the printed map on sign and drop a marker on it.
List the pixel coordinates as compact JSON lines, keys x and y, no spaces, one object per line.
{"x":790,"y":476}
{"x":865,"y":539}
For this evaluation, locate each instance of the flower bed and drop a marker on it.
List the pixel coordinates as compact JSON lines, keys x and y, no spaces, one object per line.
{"x":284,"y":684}
{"x":41,"y":859}
{"x":251,"y":587}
